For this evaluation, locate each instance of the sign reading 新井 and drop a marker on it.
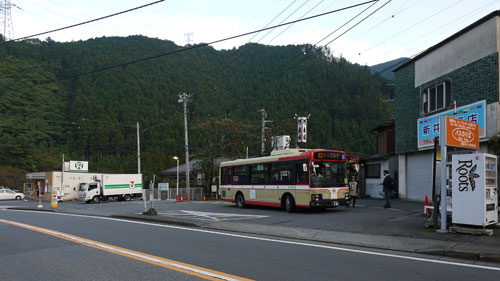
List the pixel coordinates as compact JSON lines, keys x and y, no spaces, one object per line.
{"x":428,"y":127}
{"x":461,"y":133}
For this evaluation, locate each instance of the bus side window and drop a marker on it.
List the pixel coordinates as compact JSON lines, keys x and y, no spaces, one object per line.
{"x":223,"y":175}
{"x":229,"y":175}
{"x":302,"y":173}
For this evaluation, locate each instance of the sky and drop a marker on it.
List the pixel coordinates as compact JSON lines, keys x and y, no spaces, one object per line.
{"x":402,"y":28}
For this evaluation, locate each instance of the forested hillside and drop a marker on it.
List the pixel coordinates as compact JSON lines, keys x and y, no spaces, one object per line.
{"x":47,"y":108}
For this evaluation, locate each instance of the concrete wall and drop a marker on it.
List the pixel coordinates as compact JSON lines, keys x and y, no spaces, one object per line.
{"x":373,"y":186}
{"x":469,"y":47}
{"x":71,"y":183}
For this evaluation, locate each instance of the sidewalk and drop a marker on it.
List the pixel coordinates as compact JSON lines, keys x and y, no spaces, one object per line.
{"x":367,"y":225}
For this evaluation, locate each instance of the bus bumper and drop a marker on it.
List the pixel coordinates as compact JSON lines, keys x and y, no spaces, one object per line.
{"x":328,"y":203}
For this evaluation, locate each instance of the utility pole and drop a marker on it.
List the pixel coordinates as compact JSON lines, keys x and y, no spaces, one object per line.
{"x":263,"y":130}
{"x":138,"y":151}
{"x":62,"y":173}
{"x":184,"y":98}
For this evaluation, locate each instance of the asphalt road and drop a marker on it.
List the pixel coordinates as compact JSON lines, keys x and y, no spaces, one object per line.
{"x":31,"y":255}
{"x":403,"y":220}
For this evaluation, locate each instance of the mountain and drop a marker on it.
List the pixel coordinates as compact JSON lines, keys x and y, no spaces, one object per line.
{"x":385,"y":69}
{"x":55,"y":99}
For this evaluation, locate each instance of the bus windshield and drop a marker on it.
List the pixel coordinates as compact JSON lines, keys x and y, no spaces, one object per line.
{"x":328,"y":174}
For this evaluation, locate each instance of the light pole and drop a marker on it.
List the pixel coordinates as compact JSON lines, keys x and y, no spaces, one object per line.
{"x":177,"y":188}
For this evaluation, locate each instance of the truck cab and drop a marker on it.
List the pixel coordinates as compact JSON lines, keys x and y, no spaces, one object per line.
{"x":89,"y":191}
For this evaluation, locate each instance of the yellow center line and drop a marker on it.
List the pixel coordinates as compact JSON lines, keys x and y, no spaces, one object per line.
{"x":201,"y":272}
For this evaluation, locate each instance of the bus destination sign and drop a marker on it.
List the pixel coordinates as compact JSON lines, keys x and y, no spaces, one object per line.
{"x":329,"y":155}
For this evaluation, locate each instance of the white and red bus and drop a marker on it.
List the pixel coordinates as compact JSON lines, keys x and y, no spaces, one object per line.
{"x":306,"y":178}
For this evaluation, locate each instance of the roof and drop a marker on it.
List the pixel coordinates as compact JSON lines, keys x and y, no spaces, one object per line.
{"x":377,"y":157}
{"x":193,"y":166}
{"x":383,"y":126}
{"x":451,"y":38}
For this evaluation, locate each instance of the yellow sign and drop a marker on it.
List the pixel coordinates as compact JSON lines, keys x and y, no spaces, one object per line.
{"x":462,"y":133}
{"x":53,"y":203}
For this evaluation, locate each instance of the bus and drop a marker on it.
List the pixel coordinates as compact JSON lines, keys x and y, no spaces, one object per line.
{"x":304,"y":178}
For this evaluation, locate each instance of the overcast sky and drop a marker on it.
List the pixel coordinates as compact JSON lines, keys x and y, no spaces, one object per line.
{"x":401,"y":28}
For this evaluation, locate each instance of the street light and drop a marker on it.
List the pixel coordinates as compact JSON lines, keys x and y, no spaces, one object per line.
{"x":177,"y":189}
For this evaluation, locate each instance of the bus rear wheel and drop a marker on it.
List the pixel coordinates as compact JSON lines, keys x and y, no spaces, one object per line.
{"x":240,"y":201}
{"x":290,"y":204}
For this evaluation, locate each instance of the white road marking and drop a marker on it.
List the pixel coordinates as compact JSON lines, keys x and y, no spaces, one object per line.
{"x":279,"y":241}
{"x":210,"y":216}
{"x":129,"y":253}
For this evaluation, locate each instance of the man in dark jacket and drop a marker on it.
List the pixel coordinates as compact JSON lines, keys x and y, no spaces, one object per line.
{"x":387,"y":183}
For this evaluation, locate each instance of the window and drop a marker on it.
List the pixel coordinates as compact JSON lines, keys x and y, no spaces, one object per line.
{"x":372,"y":171}
{"x":281,"y":173}
{"x":241,"y":174}
{"x":260,"y":174}
{"x":223,"y":175}
{"x":302,"y":173}
{"x":436,"y":97}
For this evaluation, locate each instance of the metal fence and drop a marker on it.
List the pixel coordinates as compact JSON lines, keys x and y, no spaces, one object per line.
{"x":195,"y":193}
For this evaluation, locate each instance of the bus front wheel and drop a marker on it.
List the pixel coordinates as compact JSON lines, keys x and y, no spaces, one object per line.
{"x":289,"y":204}
{"x":240,"y":201}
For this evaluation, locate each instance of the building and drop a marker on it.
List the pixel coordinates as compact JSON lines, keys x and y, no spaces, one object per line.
{"x":195,"y":170}
{"x":50,"y":182}
{"x":461,"y":71}
{"x":385,"y":159}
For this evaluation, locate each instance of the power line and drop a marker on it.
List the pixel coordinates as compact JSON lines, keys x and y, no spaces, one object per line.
{"x":345,"y":23}
{"x":288,"y":27}
{"x":412,"y":26}
{"x":85,"y":22}
{"x":284,"y":20}
{"x":445,"y":25}
{"x":282,"y":11}
{"x":182,"y":49}
{"x":358,"y":23}
{"x":398,"y":11}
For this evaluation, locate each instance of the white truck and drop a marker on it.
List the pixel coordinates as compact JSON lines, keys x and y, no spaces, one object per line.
{"x":111,"y":186}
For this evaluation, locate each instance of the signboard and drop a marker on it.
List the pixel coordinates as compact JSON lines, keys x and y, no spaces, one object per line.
{"x":163,"y":186}
{"x":428,"y":127}
{"x":214,"y":188}
{"x":78,"y":166}
{"x":474,"y":184}
{"x":461,"y":133}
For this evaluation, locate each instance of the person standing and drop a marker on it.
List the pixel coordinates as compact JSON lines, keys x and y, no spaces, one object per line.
{"x":353,"y":191}
{"x":387,"y":186}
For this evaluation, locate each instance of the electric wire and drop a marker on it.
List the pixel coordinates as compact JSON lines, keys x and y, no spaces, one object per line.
{"x":182,"y":49}
{"x":394,"y":14}
{"x":358,"y":23}
{"x":288,"y":27}
{"x":331,"y":33}
{"x":427,"y":33}
{"x":282,"y":11}
{"x":85,"y":22}
{"x":284,"y":20}
{"x":412,"y":26}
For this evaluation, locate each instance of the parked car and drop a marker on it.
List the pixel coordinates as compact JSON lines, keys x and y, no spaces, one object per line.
{"x":6,"y":194}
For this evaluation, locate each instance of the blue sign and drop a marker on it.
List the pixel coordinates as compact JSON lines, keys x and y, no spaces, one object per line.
{"x":428,"y":127}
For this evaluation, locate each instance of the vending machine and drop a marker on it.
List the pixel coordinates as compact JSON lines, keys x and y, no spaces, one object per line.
{"x":475,"y":189}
